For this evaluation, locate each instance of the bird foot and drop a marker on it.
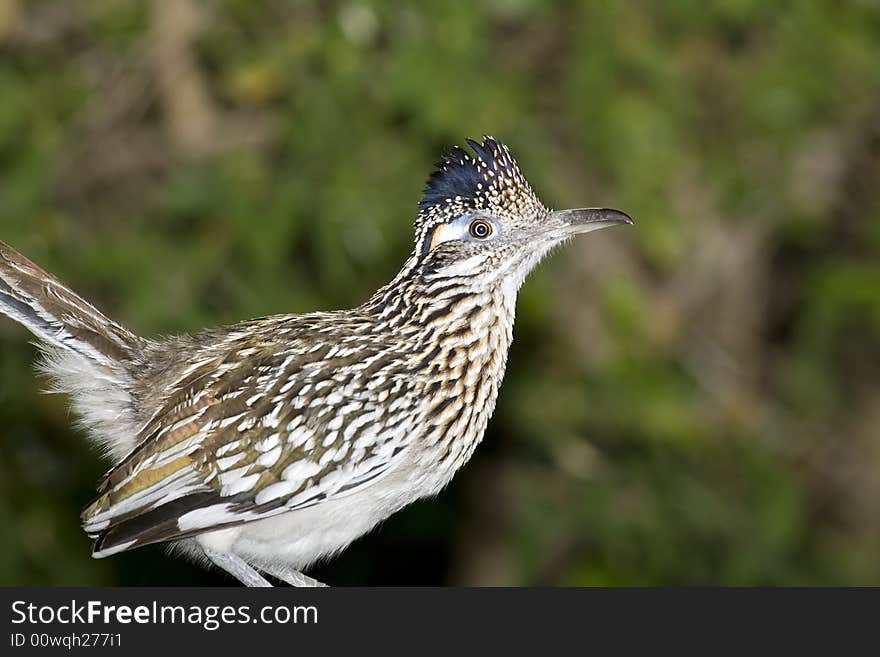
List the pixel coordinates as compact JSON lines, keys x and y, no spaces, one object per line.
{"x":291,"y":576}
{"x":247,"y":575}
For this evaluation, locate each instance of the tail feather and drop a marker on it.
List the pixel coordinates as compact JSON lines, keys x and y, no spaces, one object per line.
{"x":88,"y":355}
{"x":57,"y":315}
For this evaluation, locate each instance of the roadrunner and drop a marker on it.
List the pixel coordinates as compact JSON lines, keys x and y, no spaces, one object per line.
{"x":269,"y":444}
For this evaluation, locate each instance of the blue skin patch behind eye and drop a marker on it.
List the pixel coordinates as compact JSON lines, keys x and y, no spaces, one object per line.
{"x":426,"y":245}
{"x":464,"y":219}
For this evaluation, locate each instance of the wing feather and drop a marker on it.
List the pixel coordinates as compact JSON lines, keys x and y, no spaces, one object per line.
{"x":232,"y":445}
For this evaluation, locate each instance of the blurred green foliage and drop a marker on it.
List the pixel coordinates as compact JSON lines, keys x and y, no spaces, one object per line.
{"x":695,"y":400}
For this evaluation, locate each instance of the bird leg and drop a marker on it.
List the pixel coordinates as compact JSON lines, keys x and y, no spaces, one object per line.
{"x":237,"y":567}
{"x":290,"y":576}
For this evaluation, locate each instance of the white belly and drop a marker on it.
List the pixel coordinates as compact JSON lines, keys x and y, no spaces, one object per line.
{"x":298,"y":538}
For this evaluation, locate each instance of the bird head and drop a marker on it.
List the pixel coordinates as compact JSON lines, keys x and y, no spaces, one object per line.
{"x":480,"y":221}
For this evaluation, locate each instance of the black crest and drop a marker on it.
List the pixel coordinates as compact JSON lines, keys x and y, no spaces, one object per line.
{"x":487,"y":178}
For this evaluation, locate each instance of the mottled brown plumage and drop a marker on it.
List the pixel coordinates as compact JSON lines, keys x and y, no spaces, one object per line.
{"x":274,"y":442}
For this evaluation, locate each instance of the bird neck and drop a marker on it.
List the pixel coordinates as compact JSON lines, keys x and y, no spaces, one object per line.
{"x":413,"y":300}
{"x":456,"y":335}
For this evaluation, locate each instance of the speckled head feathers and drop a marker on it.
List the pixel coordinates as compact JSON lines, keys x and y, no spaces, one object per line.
{"x":487,"y":180}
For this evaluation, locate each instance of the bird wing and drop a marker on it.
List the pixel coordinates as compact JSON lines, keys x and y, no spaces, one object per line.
{"x":251,"y":431}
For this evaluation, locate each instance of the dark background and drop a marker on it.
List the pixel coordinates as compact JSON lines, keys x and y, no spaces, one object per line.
{"x":695,"y":400}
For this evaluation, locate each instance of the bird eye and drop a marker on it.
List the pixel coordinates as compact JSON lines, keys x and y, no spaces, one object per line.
{"x":480,"y":229}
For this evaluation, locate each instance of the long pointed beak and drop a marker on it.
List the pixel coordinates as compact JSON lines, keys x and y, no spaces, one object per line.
{"x":584,"y":220}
